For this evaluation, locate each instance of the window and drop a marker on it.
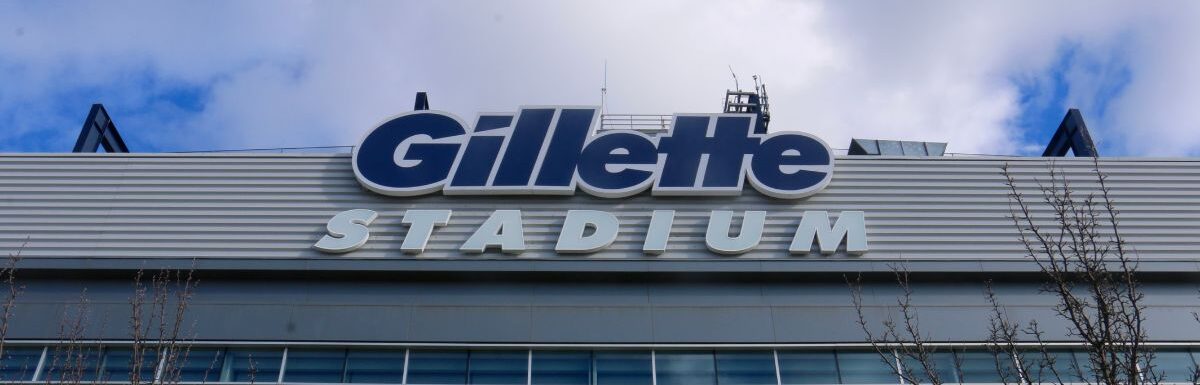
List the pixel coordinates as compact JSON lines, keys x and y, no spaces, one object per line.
{"x":19,"y":363}
{"x":252,"y":365}
{"x":1174,"y":365}
{"x":865,"y":367}
{"x":490,"y":367}
{"x":375,"y":366}
{"x":1053,"y":366}
{"x":765,"y":366}
{"x":437,"y":367}
{"x":980,"y":366}
{"x":941,"y":363}
{"x":118,"y":364}
{"x":72,"y":364}
{"x":201,"y":365}
{"x":562,"y":368}
{"x":808,"y":367}
{"x":685,"y":368}
{"x":623,"y":368}
{"x":746,"y":368}
{"x":1083,"y":369}
{"x":306,"y":365}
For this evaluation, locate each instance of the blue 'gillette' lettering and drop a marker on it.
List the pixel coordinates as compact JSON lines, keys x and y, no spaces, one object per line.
{"x":555,"y":151}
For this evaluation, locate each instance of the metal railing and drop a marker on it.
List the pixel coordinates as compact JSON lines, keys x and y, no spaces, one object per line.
{"x":639,"y":122}
{"x":278,"y":150}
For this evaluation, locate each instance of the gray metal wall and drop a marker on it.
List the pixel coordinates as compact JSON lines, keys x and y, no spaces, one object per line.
{"x":275,"y":206}
{"x":531,"y":310}
{"x":250,"y":220}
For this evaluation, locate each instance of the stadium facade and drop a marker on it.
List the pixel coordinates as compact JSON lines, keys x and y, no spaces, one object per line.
{"x":576,"y":262}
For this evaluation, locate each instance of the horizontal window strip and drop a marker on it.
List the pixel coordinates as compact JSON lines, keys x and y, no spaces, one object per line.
{"x":576,"y":365}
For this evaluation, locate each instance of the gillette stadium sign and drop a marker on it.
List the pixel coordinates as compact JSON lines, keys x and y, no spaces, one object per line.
{"x":556,"y":150}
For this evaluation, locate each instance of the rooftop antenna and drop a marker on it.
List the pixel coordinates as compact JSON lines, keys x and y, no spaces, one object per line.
{"x":735,"y":81}
{"x":749,"y":102}
{"x":764,"y":105}
{"x":604,"y":90}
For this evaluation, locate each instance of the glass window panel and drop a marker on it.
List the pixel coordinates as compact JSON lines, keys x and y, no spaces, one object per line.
{"x":746,"y":368}
{"x":252,"y":365}
{"x":935,"y":149}
{"x":19,"y":363}
{"x":623,"y":368}
{"x":497,"y":367}
{"x":202,"y":365}
{"x":808,"y":367}
{"x":685,"y":368}
{"x":437,"y":367}
{"x":73,"y":363}
{"x":1060,"y":365}
{"x":869,"y":146}
{"x":911,"y":148}
{"x":890,"y":148}
{"x":562,"y":368}
{"x":865,"y":367}
{"x":375,"y":366}
{"x":311,"y":365}
{"x":981,"y":366}
{"x":1174,"y":365}
{"x":942,"y":363}
{"x":1084,"y":367}
{"x":118,"y":364}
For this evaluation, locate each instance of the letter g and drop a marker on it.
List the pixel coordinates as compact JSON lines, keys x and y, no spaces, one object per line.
{"x":410,"y":154}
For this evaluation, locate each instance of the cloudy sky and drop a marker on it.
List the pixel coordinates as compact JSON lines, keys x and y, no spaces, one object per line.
{"x":987,"y":77}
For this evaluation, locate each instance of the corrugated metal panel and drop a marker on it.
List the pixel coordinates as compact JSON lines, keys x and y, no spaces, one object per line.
{"x":276,"y":206}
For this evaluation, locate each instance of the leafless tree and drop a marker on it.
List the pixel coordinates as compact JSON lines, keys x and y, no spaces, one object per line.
{"x":252,"y":373}
{"x":8,"y":274}
{"x":157,"y":324}
{"x":1091,"y":271}
{"x":1195,"y":375}
{"x":1003,"y":335}
{"x":902,"y":345}
{"x":160,"y":339}
{"x":1075,"y":239}
{"x":70,"y":360}
{"x":1017,"y":362}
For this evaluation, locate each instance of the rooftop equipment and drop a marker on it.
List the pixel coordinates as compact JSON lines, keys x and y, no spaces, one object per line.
{"x":736,"y":101}
{"x":750,"y":102}
{"x":895,"y":148}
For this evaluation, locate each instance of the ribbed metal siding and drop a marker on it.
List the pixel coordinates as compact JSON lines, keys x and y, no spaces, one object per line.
{"x":276,"y":206}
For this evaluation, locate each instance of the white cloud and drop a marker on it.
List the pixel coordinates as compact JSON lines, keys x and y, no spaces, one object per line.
{"x":1157,"y":113}
{"x":284,"y":74}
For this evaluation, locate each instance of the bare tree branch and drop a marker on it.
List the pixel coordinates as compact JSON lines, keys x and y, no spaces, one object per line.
{"x":8,"y":275}
{"x":157,"y":324}
{"x":902,"y":345}
{"x":1092,"y":272}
